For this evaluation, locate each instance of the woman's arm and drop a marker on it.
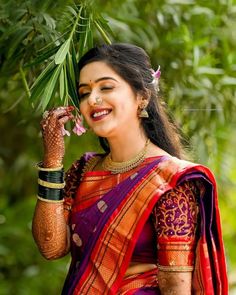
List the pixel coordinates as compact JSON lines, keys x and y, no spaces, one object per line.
{"x":174,"y":283}
{"x":176,"y":222}
{"x":50,"y":231}
{"x":50,"y":222}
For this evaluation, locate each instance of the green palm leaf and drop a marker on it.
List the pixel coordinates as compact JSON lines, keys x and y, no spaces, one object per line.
{"x":45,"y":73}
{"x":82,"y":20}
{"x":62,"y":84}
{"x":62,"y":52}
{"x":50,"y":87}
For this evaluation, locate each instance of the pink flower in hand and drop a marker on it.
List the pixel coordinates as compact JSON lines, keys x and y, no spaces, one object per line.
{"x":64,"y":131}
{"x":79,"y":128}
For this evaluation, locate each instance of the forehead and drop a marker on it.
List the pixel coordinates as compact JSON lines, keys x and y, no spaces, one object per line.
{"x":95,"y":70}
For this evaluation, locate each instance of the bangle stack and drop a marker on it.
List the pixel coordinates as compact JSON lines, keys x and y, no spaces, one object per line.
{"x":50,"y":184}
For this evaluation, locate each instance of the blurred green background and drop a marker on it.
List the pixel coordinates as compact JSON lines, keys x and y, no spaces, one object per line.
{"x":195,"y":44}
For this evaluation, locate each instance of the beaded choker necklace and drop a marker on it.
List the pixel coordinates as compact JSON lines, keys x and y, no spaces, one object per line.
{"x":120,"y":167}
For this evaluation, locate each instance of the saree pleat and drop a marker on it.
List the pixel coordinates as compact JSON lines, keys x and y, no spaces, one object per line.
{"x":121,"y":214}
{"x":210,"y":267}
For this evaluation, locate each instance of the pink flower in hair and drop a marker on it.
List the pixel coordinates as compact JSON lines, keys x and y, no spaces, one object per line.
{"x":79,"y":128}
{"x":157,"y":74}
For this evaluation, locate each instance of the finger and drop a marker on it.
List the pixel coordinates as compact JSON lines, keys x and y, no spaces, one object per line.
{"x":65,"y":119}
{"x":51,"y":117}
{"x":57,"y":112}
{"x":45,"y":114}
{"x":44,"y":124}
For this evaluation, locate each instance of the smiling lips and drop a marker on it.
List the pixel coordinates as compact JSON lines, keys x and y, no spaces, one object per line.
{"x":99,"y":114}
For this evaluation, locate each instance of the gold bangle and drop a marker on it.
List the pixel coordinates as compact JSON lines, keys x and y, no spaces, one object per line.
{"x":48,"y":169}
{"x":50,"y":201}
{"x":51,"y":184}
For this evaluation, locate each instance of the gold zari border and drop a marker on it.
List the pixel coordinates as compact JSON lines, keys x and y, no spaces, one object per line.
{"x":175,"y":268}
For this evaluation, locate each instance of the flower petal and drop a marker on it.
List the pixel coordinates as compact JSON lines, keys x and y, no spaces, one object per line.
{"x":79,"y":128}
{"x":64,"y":131}
{"x":157,"y":74}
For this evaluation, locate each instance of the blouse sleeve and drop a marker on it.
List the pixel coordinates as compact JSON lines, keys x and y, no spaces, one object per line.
{"x":72,"y":179}
{"x":176,"y":216}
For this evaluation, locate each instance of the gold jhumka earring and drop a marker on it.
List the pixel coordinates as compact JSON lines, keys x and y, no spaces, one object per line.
{"x":142,"y":110}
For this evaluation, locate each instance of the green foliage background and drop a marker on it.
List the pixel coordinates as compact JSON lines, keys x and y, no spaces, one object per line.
{"x":193,"y":41}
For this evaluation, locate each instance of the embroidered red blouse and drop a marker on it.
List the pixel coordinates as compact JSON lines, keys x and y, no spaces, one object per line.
{"x":170,"y":234}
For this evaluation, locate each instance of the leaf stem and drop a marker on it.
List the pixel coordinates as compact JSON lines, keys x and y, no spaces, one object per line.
{"x":23,"y":78}
{"x":102,"y":32}
{"x":75,"y":24}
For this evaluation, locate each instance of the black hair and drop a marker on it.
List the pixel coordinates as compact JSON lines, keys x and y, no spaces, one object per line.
{"x":133,"y":64}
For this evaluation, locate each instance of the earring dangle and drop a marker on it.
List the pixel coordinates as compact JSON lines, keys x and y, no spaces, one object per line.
{"x":143,"y":113}
{"x":142,"y":110}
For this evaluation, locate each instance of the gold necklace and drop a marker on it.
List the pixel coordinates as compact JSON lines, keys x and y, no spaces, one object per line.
{"x":120,"y":167}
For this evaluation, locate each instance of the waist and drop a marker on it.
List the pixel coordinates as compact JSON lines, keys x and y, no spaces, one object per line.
{"x":140,"y":276}
{"x":138,"y":268}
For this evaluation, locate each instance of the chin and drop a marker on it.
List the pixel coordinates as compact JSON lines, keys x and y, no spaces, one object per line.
{"x":103,"y":132}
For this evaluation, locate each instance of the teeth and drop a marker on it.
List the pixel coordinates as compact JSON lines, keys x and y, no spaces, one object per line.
{"x":105,"y":112}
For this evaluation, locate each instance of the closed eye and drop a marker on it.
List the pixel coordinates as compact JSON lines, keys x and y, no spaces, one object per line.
{"x":104,"y":88}
{"x":84,"y":95}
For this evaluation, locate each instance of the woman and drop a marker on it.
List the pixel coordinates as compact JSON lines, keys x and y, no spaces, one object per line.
{"x":137,"y":219}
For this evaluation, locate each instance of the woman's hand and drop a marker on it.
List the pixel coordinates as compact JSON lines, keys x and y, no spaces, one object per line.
{"x":52,"y":127}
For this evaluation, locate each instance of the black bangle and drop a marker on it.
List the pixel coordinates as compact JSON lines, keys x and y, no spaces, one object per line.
{"x":52,"y":176}
{"x":50,"y":193}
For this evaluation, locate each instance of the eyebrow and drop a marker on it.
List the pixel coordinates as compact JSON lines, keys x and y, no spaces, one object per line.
{"x":96,"y":81}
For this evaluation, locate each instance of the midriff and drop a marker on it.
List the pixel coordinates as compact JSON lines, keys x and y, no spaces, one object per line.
{"x":138,"y":268}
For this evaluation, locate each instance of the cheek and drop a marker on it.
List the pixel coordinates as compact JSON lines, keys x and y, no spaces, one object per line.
{"x":129,"y":107}
{"x":83,"y":108}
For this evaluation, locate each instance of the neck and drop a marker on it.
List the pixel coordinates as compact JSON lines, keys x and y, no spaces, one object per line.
{"x":127,"y":146}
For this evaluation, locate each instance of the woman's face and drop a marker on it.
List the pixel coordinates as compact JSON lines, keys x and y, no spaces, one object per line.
{"x":117,"y":113}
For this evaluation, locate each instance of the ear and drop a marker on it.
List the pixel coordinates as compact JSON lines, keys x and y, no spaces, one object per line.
{"x":144,"y":96}
{"x":142,"y":102}
{"x":147,"y":94}
{"x":139,"y":98}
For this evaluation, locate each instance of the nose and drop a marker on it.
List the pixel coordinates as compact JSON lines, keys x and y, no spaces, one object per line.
{"x":92,"y":99}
